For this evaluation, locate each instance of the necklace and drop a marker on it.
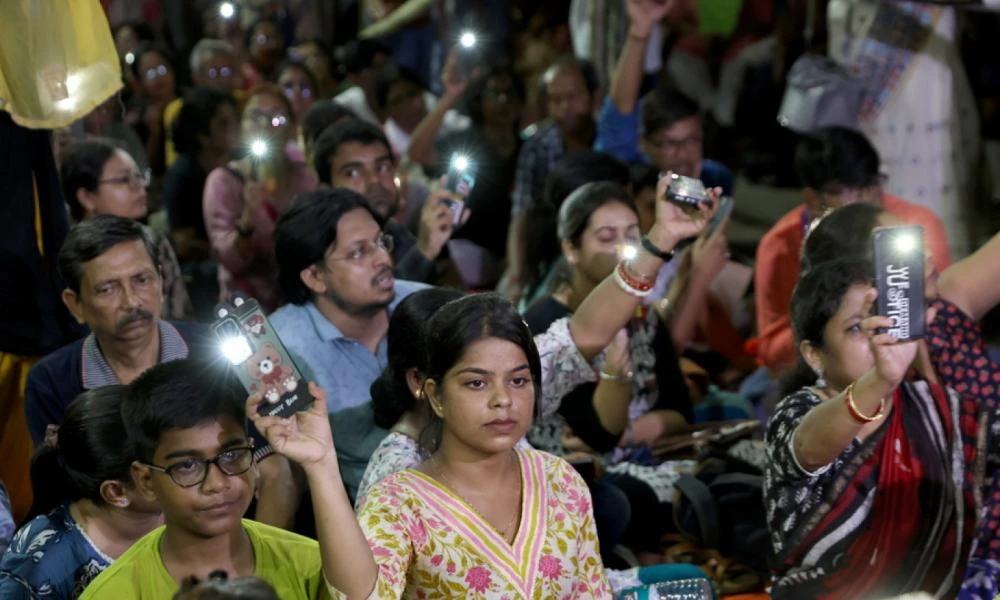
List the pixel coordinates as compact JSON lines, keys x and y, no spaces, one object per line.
{"x":508,"y":531}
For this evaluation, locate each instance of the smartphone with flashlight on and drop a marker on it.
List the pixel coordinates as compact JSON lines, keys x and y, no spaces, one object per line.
{"x":259,"y":149}
{"x":899,"y":279}
{"x":687,"y":192}
{"x":468,"y":53}
{"x":460,"y":180}
{"x":261,"y":362}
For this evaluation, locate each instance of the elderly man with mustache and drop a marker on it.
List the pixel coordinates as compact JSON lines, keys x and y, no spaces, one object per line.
{"x":114,"y":286}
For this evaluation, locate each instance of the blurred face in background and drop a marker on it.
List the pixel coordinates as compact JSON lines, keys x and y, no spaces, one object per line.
{"x":266,"y":117}
{"x":156,"y":77}
{"x":501,"y":101}
{"x":297,"y":86}
{"x":568,"y":100}
{"x":219,"y":71}
{"x":267,"y":46}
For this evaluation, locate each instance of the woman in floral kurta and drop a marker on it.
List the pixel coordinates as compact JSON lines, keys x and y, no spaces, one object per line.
{"x":428,"y":542}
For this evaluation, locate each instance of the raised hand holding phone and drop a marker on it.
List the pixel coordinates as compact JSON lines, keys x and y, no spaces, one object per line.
{"x":674,"y":223}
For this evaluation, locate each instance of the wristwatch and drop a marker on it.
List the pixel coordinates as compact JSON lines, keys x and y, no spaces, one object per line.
{"x":656,"y":251}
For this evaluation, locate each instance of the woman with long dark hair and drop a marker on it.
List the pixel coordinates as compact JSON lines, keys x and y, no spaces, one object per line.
{"x":86,"y":509}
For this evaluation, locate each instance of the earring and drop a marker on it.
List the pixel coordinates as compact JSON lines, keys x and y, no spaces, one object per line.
{"x":820,"y":381}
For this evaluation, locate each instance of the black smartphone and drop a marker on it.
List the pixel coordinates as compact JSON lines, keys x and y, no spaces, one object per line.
{"x":899,"y":279}
{"x":585,"y":468}
{"x":687,"y":192}
{"x":261,"y":361}
{"x":461,"y":179}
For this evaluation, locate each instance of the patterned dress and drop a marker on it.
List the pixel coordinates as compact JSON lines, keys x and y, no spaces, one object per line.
{"x":50,"y":557}
{"x":428,"y":542}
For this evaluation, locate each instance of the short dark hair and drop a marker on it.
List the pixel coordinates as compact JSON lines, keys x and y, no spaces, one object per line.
{"x":390,"y":76}
{"x":844,"y":232}
{"x":201,"y":104}
{"x":407,"y":349}
{"x":836,"y":156}
{"x":473,"y":99}
{"x":91,"y":238}
{"x":81,"y":167}
{"x":816,"y":299}
{"x":89,"y":452}
{"x":305,"y":231}
{"x":179,"y":394}
{"x":467,"y":320}
{"x":663,"y":107}
{"x":321,"y":115}
{"x":218,"y":586}
{"x":340,"y":133}
{"x":584,"y":66}
{"x":358,"y":55}
{"x":568,"y":173}
{"x":575,"y":213}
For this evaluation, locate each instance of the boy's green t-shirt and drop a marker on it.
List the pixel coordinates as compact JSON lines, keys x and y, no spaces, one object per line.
{"x":288,"y":561}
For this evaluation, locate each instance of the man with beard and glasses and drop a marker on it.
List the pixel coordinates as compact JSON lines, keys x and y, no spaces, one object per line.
{"x":335,"y":271}
{"x":355,"y":155}
{"x":114,"y":287}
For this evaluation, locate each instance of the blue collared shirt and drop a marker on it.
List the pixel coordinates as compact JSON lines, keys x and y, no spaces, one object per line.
{"x":343,"y":366}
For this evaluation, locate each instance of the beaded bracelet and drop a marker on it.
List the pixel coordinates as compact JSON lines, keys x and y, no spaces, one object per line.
{"x":632,"y":285}
{"x":856,"y":414}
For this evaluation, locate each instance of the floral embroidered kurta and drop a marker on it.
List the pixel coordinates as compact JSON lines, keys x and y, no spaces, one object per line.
{"x":430,"y":543}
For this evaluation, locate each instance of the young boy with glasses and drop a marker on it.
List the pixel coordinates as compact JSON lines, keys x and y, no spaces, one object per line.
{"x":187,"y":428}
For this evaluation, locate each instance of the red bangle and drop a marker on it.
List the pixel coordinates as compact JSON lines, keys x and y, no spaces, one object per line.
{"x":639,"y":284}
{"x":856,"y":414}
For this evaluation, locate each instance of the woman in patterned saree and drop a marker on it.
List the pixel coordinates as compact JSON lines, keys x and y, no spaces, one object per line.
{"x":957,"y":350}
{"x":88,"y":512}
{"x":865,"y":488}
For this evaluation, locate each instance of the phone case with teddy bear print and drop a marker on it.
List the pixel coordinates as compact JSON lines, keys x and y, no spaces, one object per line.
{"x":259,"y":359}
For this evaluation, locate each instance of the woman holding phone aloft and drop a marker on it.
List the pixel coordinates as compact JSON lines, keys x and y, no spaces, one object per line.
{"x":243,"y":199}
{"x":866,"y":487}
{"x":478,"y":514}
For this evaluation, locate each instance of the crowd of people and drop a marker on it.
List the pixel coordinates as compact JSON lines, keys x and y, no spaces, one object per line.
{"x":511,"y":381}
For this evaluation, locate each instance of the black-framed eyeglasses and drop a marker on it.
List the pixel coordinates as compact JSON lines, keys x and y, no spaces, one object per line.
{"x":366,"y":250}
{"x":193,"y":471}
{"x":134,"y":180}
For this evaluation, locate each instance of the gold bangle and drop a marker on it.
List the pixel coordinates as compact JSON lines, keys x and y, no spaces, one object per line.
{"x":856,"y":414}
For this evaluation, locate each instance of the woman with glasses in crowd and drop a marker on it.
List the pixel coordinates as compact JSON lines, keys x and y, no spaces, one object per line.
{"x":155,"y":88}
{"x":299,"y":86}
{"x":87,"y":510}
{"x":243,"y":199}
{"x":99,"y":178}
